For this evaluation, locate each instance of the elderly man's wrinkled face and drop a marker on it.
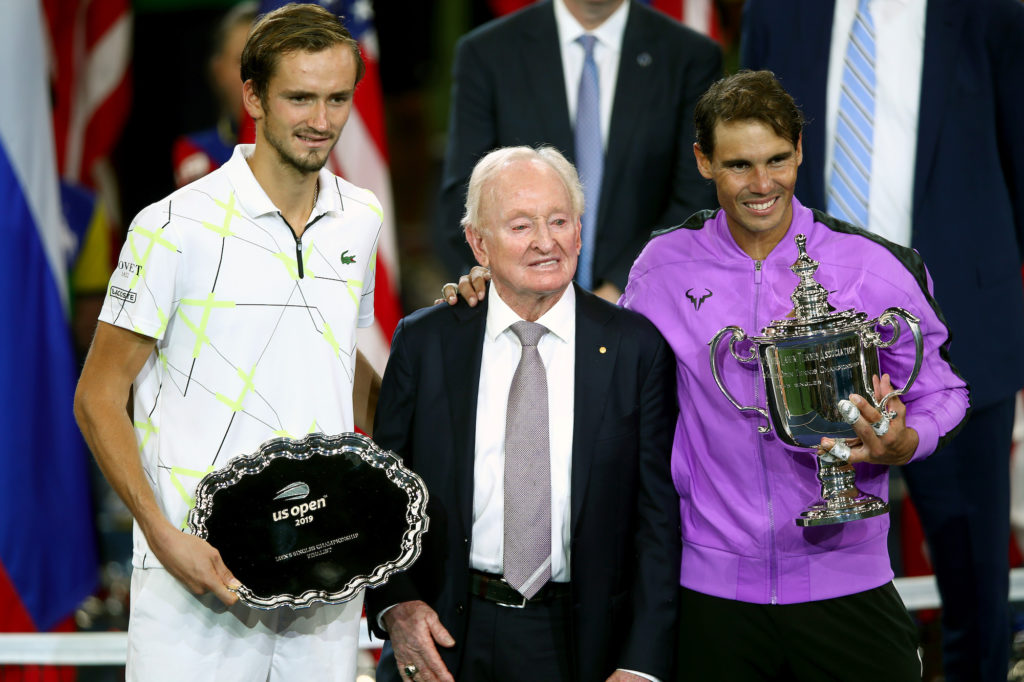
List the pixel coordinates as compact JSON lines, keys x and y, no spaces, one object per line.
{"x":529,"y":236}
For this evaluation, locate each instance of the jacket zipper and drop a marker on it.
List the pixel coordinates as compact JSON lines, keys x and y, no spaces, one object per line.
{"x":298,"y":241}
{"x":773,"y":561}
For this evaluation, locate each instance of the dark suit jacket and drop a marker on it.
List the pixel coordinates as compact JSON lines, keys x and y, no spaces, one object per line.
{"x":625,"y":546}
{"x":509,"y":89}
{"x":968,"y":205}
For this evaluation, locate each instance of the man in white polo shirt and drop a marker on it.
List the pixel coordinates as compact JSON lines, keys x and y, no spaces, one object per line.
{"x":233,"y":313}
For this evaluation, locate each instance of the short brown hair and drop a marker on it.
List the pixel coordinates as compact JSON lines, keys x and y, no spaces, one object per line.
{"x":294,"y":27}
{"x":747,"y":96}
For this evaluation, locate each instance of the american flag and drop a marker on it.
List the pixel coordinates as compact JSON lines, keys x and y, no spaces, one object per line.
{"x":90,"y":70}
{"x":89,"y":50}
{"x":700,"y":15}
{"x":361,"y":157}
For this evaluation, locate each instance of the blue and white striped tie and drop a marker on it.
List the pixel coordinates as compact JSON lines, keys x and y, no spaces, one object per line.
{"x":850,"y":182}
{"x":589,"y":158}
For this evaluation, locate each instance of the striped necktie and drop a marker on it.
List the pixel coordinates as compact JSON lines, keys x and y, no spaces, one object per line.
{"x":589,"y":157}
{"x":850,"y":182}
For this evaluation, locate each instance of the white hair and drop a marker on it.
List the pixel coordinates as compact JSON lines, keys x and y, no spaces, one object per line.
{"x":489,"y":166}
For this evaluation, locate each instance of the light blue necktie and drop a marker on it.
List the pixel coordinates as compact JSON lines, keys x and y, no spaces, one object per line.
{"x":589,"y":158}
{"x":850,"y":183}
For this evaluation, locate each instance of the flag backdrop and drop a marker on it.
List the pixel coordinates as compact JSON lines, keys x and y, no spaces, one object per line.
{"x":90,"y":46}
{"x":700,"y":15}
{"x":361,"y":158}
{"x":47,"y":545}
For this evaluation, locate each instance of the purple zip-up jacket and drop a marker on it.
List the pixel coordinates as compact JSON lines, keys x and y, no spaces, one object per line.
{"x":739,"y":490}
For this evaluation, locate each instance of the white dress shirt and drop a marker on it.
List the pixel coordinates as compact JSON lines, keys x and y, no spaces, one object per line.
{"x":899,"y":54}
{"x":607,"y":50}
{"x":498,"y":364}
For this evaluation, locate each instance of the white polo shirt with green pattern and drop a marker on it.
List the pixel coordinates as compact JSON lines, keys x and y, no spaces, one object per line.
{"x":255,"y":329}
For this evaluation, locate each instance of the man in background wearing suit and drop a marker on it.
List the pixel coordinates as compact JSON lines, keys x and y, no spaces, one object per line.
{"x":541,"y":421}
{"x":620,"y":108}
{"x":942,"y":158}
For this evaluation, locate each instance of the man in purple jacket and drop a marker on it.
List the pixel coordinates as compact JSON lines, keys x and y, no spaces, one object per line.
{"x":761,"y":597}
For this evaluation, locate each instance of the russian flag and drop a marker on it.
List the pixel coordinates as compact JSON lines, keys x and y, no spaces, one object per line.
{"x":48,"y":561}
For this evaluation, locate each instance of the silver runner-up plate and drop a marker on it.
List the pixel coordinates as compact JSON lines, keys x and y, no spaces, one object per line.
{"x":312,"y":520}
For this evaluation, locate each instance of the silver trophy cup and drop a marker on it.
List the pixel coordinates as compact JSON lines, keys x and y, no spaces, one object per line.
{"x":810,"y":363}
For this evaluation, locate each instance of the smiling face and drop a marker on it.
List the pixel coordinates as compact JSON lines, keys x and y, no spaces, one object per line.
{"x":528,"y":236}
{"x":754,"y":171}
{"x":307,"y":103}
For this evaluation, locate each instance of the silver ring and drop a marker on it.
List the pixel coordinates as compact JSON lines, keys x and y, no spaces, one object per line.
{"x":848,"y":411}
{"x":881,"y":427}
{"x":840,"y":451}
{"x":410,"y":670}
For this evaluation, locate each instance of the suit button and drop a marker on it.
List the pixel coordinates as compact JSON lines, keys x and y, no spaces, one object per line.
{"x":459,"y":608}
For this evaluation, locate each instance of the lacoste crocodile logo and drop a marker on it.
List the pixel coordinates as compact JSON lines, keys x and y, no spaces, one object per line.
{"x":347,"y":259}
{"x":294,"y":491}
{"x":698,"y":302}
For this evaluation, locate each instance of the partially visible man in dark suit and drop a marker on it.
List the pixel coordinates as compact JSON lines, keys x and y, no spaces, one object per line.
{"x":946,"y":176}
{"x":553,"y":550}
{"x":621,"y":110}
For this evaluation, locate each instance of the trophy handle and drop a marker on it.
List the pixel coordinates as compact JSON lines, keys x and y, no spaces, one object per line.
{"x":735,"y":334}
{"x":889,"y":319}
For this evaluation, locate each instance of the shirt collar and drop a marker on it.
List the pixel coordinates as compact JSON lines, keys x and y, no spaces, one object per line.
{"x":254,"y":200}
{"x":609,"y":34}
{"x":560,"y":319}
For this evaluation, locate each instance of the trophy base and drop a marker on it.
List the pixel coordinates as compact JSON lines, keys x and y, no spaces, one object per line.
{"x":840,"y":500}
{"x":826,"y":512}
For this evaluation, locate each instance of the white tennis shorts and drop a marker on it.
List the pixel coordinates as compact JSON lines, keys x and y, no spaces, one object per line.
{"x":174,"y":635}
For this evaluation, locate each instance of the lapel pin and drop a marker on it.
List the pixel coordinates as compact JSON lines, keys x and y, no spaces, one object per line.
{"x":602,"y":350}
{"x":644,"y":59}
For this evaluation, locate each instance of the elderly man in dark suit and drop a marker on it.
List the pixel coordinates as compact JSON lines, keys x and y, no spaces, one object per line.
{"x":947,"y":178}
{"x":610,"y":83}
{"x":541,"y":422}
